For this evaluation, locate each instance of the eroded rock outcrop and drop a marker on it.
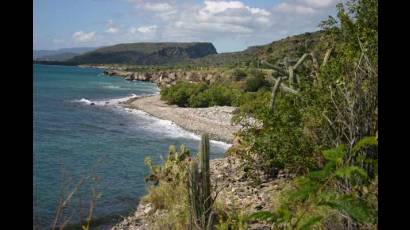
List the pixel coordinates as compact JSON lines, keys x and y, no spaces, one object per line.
{"x":162,"y":78}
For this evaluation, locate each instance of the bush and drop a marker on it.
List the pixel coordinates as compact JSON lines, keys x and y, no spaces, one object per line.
{"x":339,"y":194}
{"x":167,"y":189}
{"x":187,"y":94}
{"x":279,"y":141}
{"x":215,"y":95}
{"x":180,"y":93}
{"x":338,"y":106}
{"x":255,"y":82}
{"x":238,"y":74}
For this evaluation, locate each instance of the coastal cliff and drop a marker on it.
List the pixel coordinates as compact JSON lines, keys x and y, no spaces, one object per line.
{"x":147,"y":53}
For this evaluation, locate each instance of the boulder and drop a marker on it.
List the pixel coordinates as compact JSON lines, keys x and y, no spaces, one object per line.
{"x":130,"y":77}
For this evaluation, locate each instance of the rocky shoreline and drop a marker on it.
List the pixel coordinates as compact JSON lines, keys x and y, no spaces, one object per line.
{"x":216,"y":121}
{"x":164,"y":78}
{"x":236,"y":190}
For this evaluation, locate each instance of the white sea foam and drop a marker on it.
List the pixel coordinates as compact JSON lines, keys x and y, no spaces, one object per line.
{"x":150,"y":123}
{"x":115,"y":87}
{"x":107,"y":102}
{"x":83,"y":100}
{"x":169,"y":128}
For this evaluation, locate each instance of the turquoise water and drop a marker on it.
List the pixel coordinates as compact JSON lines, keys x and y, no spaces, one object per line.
{"x":71,"y":137}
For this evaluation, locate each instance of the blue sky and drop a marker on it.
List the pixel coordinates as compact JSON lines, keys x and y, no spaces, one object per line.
{"x":232,"y":25}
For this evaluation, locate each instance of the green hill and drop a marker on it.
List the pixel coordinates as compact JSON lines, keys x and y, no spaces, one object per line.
{"x":146,"y":53}
{"x":292,"y":47}
{"x":60,"y":54}
{"x":57,"y":57}
{"x":198,"y":54}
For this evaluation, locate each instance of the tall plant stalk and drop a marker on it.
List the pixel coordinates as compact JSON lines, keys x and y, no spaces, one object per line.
{"x":199,"y":187}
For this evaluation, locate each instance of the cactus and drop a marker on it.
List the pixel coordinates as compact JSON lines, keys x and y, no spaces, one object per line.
{"x":199,"y":187}
{"x":183,"y":153}
{"x":172,"y":152}
{"x":274,"y":90}
{"x":177,"y":156}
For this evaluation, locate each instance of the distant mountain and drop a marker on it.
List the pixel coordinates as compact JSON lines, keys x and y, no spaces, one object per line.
{"x":60,"y":54}
{"x":199,"y":54}
{"x":146,"y":53}
{"x":57,"y":57}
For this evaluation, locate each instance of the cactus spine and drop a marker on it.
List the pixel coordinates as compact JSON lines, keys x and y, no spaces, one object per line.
{"x":199,"y":186}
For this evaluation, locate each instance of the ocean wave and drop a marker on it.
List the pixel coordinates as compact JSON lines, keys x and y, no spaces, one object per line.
{"x":88,"y":102}
{"x":168,"y":128}
{"x":83,"y":100}
{"x":116,"y":87}
{"x":150,"y":123}
{"x":107,"y":102}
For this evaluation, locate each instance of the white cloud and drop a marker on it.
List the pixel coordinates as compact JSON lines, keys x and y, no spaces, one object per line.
{"x":58,"y":41}
{"x":143,"y":29}
{"x":112,"y":28}
{"x":158,"y":7}
{"x":294,"y":8}
{"x":218,"y":21}
{"x":213,"y":7}
{"x":208,"y":27}
{"x":152,"y":5}
{"x":320,"y":3}
{"x":147,"y":29}
{"x":204,"y":21}
{"x":81,"y":36}
{"x":222,"y":17}
{"x":305,"y":6}
{"x":259,"y":11}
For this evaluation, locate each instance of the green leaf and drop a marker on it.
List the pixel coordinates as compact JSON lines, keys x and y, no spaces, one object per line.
{"x":262,"y":215}
{"x":365,"y":142}
{"x":335,"y":154}
{"x":323,"y":173}
{"x":305,"y":188}
{"x":172,"y":149}
{"x":310,"y":222}
{"x":350,"y":172}
{"x":352,"y":207}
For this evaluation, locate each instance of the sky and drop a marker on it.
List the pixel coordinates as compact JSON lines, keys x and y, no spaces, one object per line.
{"x":231,"y":25}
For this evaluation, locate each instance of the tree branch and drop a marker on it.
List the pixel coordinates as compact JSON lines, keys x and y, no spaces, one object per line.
{"x":274,"y":90}
{"x":286,"y":88}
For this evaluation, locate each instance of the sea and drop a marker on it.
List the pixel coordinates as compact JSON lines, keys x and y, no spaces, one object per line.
{"x":89,"y":151}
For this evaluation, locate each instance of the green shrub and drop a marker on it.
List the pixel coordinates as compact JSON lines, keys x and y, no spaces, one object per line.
{"x":336,"y":106}
{"x":339,"y":190}
{"x":238,"y":74}
{"x":185,"y":94}
{"x":168,"y":189}
{"x":255,"y":82}
{"x":180,"y":93}
{"x":279,"y":140}
{"x":215,"y":95}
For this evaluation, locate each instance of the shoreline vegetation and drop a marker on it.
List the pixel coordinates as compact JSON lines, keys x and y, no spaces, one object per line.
{"x":305,"y":155}
{"x":311,"y":162}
